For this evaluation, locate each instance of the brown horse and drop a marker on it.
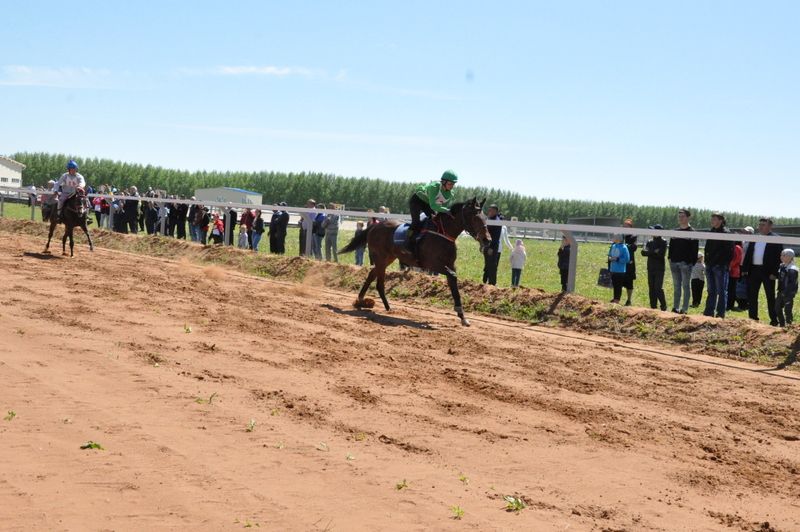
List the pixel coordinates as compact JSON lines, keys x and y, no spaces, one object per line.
{"x":436,"y":251}
{"x":74,"y":214}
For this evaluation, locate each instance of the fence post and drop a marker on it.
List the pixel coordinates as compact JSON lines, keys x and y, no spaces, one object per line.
{"x":573,"y":261}
{"x":228,"y":229}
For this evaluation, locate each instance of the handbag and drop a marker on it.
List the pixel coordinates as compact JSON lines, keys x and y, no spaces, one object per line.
{"x":604,"y":278}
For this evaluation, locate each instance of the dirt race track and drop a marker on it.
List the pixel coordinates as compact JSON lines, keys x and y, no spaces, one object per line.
{"x":363,"y":421}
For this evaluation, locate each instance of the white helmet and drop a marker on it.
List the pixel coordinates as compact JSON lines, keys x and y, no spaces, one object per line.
{"x":51,"y":182}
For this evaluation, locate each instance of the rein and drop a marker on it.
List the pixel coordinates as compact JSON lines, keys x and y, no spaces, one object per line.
{"x":440,"y":230}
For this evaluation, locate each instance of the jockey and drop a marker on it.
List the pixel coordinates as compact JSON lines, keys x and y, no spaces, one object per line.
{"x":432,"y":198}
{"x":68,"y":184}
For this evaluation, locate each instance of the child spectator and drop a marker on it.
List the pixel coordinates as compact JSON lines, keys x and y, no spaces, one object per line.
{"x":217,"y":229}
{"x":518,"y":257}
{"x":698,"y":280}
{"x":734,"y":273}
{"x":563,"y":262}
{"x":618,"y":259}
{"x":359,"y":250}
{"x":787,"y":287}
{"x":244,"y":242}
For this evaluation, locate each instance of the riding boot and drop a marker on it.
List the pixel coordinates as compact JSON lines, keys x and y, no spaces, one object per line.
{"x":411,"y":239}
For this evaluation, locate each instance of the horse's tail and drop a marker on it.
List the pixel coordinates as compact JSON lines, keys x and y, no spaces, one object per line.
{"x":358,"y":241}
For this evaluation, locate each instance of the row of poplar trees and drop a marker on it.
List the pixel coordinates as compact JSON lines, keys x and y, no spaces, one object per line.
{"x":357,"y":193}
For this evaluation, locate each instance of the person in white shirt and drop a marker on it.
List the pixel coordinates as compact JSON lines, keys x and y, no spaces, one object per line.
{"x":68,"y":184}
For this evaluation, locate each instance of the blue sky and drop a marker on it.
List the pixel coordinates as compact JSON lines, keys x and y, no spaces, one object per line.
{"x":687,"y":103}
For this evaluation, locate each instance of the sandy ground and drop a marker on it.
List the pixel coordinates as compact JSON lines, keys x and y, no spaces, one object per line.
{"x":350,"y":406}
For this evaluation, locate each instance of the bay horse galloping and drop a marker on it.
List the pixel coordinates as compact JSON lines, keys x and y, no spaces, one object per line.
{"x":435,"y":252}
{"x":74,"y":214}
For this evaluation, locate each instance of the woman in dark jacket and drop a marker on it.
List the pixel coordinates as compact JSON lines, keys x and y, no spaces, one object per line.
{"x":257,"y":228}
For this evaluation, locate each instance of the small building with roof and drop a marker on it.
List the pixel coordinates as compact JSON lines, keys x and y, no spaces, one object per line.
{"x":10,"y":172}
{"x":228,"y":195}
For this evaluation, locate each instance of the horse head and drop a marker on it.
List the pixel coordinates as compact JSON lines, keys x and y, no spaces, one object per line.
{"x":475,"y":222}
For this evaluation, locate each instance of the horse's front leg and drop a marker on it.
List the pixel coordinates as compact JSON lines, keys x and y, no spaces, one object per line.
{"x":452,"y":282}
{"x":88,"y":236}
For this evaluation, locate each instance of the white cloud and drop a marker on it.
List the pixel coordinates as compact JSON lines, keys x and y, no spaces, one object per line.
{"x":421,"y":141}
{"x":254,"y":70}
{"x":63,"y":77}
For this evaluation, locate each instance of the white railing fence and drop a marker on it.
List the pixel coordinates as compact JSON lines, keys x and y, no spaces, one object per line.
{"x":569,"y":230}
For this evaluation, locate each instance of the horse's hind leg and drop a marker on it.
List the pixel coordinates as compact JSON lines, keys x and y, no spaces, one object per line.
{"x":370,"y":277}
{"x":49,"y":237}
{"x":380,"y":286}
{"x":452,"y":282}
{"x":71,"y":242}
{"x":64,"y":242}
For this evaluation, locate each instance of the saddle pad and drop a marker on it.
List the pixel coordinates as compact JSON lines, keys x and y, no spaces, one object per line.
{"x":400,"y":233}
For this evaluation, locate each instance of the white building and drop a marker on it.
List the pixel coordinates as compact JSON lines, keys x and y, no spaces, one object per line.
{"x":10,"y":172}
{"x":228,"y":194}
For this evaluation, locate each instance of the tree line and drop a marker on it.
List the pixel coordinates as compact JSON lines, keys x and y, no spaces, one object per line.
{"x":357,"y":193}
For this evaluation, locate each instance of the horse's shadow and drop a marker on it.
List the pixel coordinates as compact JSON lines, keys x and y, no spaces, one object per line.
{"x":41,"y":256}
{"x":381,"y":319}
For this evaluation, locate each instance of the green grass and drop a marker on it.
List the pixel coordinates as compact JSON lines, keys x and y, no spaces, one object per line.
{"x":540,"y":269}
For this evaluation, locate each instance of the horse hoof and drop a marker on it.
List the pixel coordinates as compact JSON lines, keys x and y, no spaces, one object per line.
{"x":47,"y":252}
{"x":367,"y":302}
{"x":465,"y":322}
{"x":65,"y":254}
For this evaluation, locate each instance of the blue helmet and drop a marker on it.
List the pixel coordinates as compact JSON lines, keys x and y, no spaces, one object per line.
{"x":72,"y":164}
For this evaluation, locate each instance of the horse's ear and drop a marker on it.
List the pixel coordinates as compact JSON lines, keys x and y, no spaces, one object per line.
{"x":482,"y":202}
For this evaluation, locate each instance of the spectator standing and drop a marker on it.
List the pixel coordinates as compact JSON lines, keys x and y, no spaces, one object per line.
{"x":132,"y":210}
{"x":203,"y":221}
{"x":151,"y":217}
{"x":217,"y":229}
{"x":97,"y":206}
{"x":331,"y":227}
{"x":306,"y":224}
{"x":682,"y":255}
{"x":246,"y":221}
{"x":618,"y":259}
{"x":183,"y":214}
{"x":518,"y":257}
{"x":360,"y":249}
{"x":698,"y":280}
{"x":278,"y":227}
{"x":257,"y":229}
{"x":718,"y":256}
{"x":563,"y":261}
{"x":172,"y":217}
{"x":630,"y":271}
{"x":656,"y":250}
{"x":191,"y":218}
{"x":761,"y":264}
{"x":230,"y":224}
{"x":318,"y":233}
{"x":243,"y":240}
{"x":491,"y":255}
{"x":743,"y":286}
{"x":787,"y":287}
{"x":734,"y":273}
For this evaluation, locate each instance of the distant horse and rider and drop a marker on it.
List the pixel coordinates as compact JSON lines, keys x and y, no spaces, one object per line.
{"x":71,"y":209}
{"x":431,"y":246}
